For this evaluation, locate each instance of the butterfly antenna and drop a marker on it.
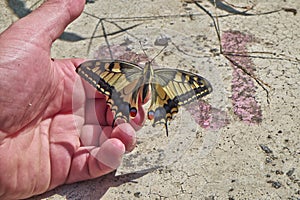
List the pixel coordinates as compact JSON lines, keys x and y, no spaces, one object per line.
{"x":154,"y":56}
{"x":167,"y":132}
{"x":143,"y":49}
{"x":159,"y":53}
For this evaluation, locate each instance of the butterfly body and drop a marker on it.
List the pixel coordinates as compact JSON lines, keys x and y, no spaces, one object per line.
{"x":124,"y":83}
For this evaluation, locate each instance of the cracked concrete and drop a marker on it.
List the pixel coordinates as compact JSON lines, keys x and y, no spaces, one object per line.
{"x":227,"y":162}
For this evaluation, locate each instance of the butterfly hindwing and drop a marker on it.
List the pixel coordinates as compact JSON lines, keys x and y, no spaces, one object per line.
{"x":162,"y":107}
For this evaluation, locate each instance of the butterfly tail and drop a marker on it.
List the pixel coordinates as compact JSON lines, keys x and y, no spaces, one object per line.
{"x":166,"y":126}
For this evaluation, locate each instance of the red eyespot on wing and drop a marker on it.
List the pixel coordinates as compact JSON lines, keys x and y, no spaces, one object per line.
{"x":151,"y":115}
{"x":133,"y":112}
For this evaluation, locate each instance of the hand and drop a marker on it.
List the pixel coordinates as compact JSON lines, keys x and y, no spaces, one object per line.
{"x":53,"y":129}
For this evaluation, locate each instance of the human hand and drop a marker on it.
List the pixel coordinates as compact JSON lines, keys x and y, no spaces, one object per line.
{"x":53,"y":129}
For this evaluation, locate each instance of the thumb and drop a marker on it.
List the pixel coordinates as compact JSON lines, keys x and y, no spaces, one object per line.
{"x":47,"y":23}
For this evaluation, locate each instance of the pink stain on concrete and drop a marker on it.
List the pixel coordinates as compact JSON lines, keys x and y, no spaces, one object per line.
{"x":243,"y":89}
{"x":207,"y":116}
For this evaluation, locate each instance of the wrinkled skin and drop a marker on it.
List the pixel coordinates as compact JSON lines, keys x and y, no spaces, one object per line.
{"x":49,"y":119}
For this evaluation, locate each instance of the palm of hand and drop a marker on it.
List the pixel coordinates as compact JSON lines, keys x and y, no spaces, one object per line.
{"x":47,"y":135}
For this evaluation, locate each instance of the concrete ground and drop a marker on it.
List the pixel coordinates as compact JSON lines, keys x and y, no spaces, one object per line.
{"x":238,"y":144}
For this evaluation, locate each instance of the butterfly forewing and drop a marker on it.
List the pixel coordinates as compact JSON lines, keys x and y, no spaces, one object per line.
{"x":182,"y":85}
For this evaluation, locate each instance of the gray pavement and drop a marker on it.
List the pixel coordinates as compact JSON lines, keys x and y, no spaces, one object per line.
{"x":243,"y":150}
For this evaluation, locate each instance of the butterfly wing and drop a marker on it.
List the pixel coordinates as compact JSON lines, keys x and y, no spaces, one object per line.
{"x":120,"y":81}
{"x":182,"y":85}
{"x":162,"y":107}
{"x":172,"y":88}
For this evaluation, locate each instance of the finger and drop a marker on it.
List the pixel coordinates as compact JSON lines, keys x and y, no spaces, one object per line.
{"x":95,"y":135}
{"x":105,"y":134}
{"x":51,"y":18}
{"x":126,"y":134}
{"x":91,"y":163}
{"x":90,"y":134}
